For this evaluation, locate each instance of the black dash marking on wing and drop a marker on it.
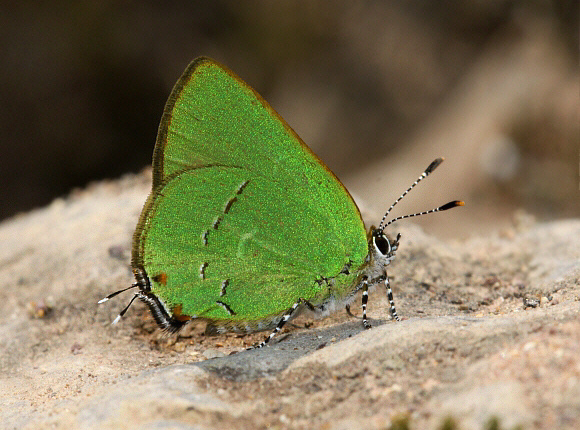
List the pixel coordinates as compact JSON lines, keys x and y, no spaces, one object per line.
{"x":346,"y":268}
{"x":229,"y":204}
{"x":226,"y":210}
{"x":226,"y":307}
{"x":225,"y":284}
{"x":235,"y":198}
{"x":202,"y":270}
{"x":242,"y":186}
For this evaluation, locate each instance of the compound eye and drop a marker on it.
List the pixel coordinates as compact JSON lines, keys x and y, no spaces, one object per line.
{"x":382,"y":244}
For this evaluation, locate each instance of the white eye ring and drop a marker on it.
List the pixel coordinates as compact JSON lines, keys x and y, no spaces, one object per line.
{"x":378,"y":248}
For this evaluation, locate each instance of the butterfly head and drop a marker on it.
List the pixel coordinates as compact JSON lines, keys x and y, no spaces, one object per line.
{"x":382,"y":249}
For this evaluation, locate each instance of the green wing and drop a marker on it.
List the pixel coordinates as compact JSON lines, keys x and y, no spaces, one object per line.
{"x":239,"y":199}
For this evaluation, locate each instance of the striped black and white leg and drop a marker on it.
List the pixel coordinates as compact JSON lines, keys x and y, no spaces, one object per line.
{"x":391,"y":300}
{"x":365,"y":299}
{"x":283,"y":321}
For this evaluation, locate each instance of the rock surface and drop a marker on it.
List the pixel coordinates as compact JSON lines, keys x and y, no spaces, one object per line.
{"x":467,"y":348}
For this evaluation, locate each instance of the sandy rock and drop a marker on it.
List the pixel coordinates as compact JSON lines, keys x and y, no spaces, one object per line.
{"x":467,"y":348}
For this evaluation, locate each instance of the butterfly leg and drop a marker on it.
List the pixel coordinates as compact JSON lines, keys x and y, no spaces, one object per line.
{"x":391,"y":300}
{"x":283,"y":321}
{"x":365,"y":298}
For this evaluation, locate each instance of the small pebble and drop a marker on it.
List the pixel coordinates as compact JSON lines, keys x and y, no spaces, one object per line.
{"x":531,"y":302}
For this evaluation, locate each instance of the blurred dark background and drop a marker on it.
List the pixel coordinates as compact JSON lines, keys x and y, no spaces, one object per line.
{"x":376,"y":88}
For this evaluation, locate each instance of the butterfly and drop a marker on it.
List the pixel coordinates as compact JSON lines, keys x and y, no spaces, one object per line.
{"x":245,"y":226}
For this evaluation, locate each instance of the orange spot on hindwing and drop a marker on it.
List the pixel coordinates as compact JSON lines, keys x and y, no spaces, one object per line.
{"x":161,"y":278}
{"x":178,"y":315}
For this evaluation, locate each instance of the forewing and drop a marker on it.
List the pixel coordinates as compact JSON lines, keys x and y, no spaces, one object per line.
{"x":214,"y":118}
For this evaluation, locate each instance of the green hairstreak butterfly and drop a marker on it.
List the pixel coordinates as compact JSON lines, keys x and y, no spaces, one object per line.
{"x":245,"y":226}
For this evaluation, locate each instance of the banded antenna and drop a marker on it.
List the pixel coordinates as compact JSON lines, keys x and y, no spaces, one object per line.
{"x":434,"y":164}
